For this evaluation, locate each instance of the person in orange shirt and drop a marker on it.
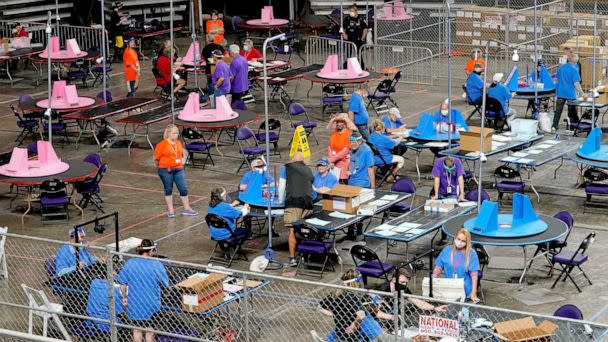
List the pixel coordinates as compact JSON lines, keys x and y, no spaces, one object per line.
{"x":169,"y":157}
{"x":476,"y":58}
{"x":131,"y":63}
{"x":338,"y":151}
{"x":215,"y":26}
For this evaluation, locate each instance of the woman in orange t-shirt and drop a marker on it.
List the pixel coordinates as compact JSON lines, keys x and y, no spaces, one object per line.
{"x":338,"y":151}
{"x":215,"y":26}
{"x":169,"y":157}
{"x":476,"y":58}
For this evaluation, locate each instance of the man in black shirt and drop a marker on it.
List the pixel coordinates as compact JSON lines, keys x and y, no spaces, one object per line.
{"x":355,"y":28}
{"x":207,"y":54}
{"x":346,"y":308}
{"x":295,"y":185}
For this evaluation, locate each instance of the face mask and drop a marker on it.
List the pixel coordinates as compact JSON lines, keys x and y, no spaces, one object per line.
{"x":353,"y":14}
{"x":340,"y":126}
{"x":459,"y":244}
{"x":245,"y":47}
{"x":444,"y":112}
{"x":449,"y":168}
{"x":260,"y":171}
{"x":477,"y":71}
{"x":14,"y":31}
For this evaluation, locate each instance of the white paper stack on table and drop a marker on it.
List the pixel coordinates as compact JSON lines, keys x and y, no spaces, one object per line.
{"x":317,"y":222}
{"x":366,"y":195}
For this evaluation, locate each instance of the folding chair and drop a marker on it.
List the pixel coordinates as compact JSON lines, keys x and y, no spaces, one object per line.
{"x":472,"y":195}
{"x":403,"y":185}
{"x":230,"y":246}
{"x":97,"y":72}
{"x":284,"y":47}
{"x":81,"y":72}
{"x":295,"y":109}
{"x":382,"y":94}
{"x":495,"y":114}
{"x":239,"y":34}
{"x":593,"y":187}
{"x":274,"y":133}
{"x":383,"y":169}
{"x":313,"y":244}
{"x":368,"y":263}
{"x":507,"y":180}
{"x":3,"y":266}
{"x":484,"y":261}
{"x":582,"y":126}
{"x":569,"y":260}
{"x":552,"y":248}
{"x":332,"y":97}
{"x":40,"y":306}
{"x":470,"y":102}
{"x":194,"y":145}
{"x":89,"y":189}
{"x":28,"y":127}
{"x":569,"y":311}
{"x":53,"y":199}
{"x":248,"y":146}
{"x":93,"y":158}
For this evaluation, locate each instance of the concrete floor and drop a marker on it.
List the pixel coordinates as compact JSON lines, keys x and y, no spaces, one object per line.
{"x":132,"y":188}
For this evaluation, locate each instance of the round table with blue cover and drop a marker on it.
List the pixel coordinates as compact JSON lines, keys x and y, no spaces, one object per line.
{"x":556,"y":229}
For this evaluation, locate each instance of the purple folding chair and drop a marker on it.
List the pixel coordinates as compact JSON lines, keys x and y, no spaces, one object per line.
{"x":239,"y":105}
{"x":593,"y":187}
{"x":248,"y":146}
{"x":28,"y":127}
{"x":313,"y":248}
{"x":93,"y":158}
{"x":552,"y":248}
{"x":295,"y":110}
{"x":403,"y":185}
{"x":196,"y":144}
{"x":107,"y":94}
{"x":472,"y":195}
{"x":274,"y":132}
{"x":369,"y":264}
{"x":568,"y":311}
{"x":569,"y":260}
{"x":89,"y":189}
{"x":54,"y":199}
{"x":507,"y":180}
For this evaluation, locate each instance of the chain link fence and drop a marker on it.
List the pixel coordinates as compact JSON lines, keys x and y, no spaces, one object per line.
{"x":416,"y":64}
{"x":112,"y":295}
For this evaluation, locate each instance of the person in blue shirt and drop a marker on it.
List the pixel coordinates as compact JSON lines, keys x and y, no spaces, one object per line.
{"x":98,"y":305}
{"x":65,"y":259}
{"x":357,"y":112}
{"x":460,"y":260}
{"x":385,"y":145}
{"x":361,"y":169}
{"x":141,"y":281}
{"x":567,"y":89}
{"x":499,"y":91}
{"x":323,"y":178}
{"x":392,"y":122}
{"x":474,"y":85}
{"x":442,"y":117}
{"x":218,"y":205}
{"x":258,"y":169}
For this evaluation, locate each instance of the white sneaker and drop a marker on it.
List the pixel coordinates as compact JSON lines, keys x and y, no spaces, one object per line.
{"x":553,"y":130}
{"x":112,"y":130}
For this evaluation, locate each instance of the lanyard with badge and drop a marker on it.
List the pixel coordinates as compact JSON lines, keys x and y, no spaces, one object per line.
{"x":448,"y":176}
{"x":456,"y":263}
{"x":177,"y":159}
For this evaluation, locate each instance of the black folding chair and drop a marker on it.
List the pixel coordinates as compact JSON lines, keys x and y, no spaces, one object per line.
{"x":569,"y":260}
{"x":314,"y":247}
{"x":384,"y":169}
{"x":230,"y":247}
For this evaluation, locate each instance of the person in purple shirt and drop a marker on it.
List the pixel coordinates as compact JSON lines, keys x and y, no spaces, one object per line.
{"x":448,"y":177}
{"x":221,"y":76}
{"x":239,"y":68}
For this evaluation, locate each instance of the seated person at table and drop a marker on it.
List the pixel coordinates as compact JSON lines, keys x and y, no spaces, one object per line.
{"x":323,"y":178}
{"x":474,"y":85}
{"x":459,"y":260}
{"x":258,"y":169}
{"x":401,"y":277}
{"x":476,"y":58}
{"x":250,"y":53}
{"x":499,"y":91}
{"x":227,"y":211}
{"x":166,"y":72}
{"x":338,"y":151}
{"x":18,"y":31}
{"x":215,"y":27}
{"x":65,"y":260}
{"x":98,"y":305}
{"x":442,"y":117}
{"x":385,"y":145}
{"x":392,"y":122}
{"x":361,"y":170}
{"x":141,"y":281}
{"x":448,"y":175}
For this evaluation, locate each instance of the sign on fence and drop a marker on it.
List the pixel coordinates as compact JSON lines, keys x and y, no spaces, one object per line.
{"x":438,"y":327}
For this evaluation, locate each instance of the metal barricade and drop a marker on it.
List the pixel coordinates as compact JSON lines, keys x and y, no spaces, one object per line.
{"x":416,"y":64}
{"x":319,"y":48}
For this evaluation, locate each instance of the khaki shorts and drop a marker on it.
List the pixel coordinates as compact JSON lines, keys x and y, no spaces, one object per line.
{"x":294,"y":214}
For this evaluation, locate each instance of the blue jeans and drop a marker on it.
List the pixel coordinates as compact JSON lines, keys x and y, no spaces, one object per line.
{"x":177,"y":176}
{"x":216,"y":93}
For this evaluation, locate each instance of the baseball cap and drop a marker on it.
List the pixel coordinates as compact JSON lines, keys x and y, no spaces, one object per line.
{"x":323,"y":161}
{"x":395,"y":111}
{"x":257,"y":162}
{"x":217,"y":54}
{"x":71,"y":232}
{"x":130,"y":39}
{"x":355,"y":136}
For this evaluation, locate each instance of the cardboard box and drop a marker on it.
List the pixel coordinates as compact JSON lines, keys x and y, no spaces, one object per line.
{"x":603,"y":91}
{"x":469,"y":141}
{"x":202,"y":293}
{"x":524,"y":329}
{"x":343,"y":198}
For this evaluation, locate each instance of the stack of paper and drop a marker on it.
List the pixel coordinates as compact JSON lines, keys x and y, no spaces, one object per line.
{"x":389,"y":197}
{"x":379,"y":202}
{"x":317,"y":222}
{"x":340,"y":215}
{"x":551,"y":142}
{"x":543,"y":146}
{"x":535,"y":151}
{"x":520,"y":154}
{"x":366,"y":195}
{"x":501,"y":138}
{"x":509,"y":159}
{"x":467,"y":204}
